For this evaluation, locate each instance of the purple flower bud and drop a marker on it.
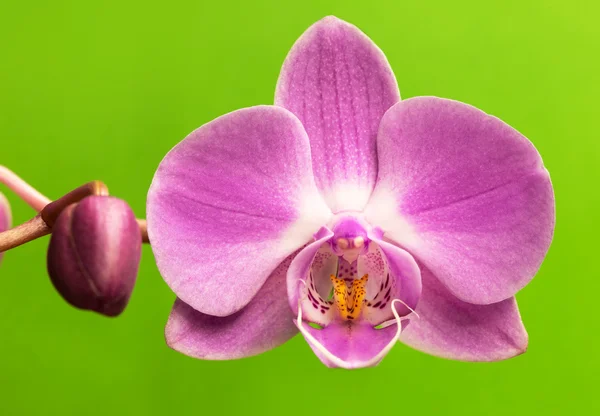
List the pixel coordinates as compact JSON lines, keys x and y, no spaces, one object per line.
{"x":94,"y":254}
{"x":5,"y":218}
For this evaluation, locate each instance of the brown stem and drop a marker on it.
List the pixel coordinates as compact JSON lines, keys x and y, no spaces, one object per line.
{"x":42,"y":223}
{"x":143,"y":230}
{"x":51,"y":211}
{"x":24,"y":233}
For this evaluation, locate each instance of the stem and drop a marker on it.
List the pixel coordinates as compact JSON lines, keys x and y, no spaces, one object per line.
{"x":26,"y":192}
{"x":24,"y":233}
{"x":49,"y":211}
{"x":143,"y":230}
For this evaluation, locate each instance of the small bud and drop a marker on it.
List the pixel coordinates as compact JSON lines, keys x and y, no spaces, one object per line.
{"x":94,"y":254}
{"x":5,"y":217}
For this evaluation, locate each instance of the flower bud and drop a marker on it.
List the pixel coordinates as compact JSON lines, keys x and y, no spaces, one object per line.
{"x":94,"y":254}
{"x":5,"y":217}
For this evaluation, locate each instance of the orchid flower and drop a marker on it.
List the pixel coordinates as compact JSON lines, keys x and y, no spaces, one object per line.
{"x":351,"y":217}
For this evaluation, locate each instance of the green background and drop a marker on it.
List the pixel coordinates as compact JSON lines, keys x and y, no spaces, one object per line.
{"x":103,"y":89}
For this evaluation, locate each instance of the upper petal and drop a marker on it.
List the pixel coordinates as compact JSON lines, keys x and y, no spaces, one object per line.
{"x":464,"y":193}
{"x":450,"y":328}
{"x":5,"y":215}
{"x":229,"y":203}
{"x":266,"y":322}
{"x":339,"y":84}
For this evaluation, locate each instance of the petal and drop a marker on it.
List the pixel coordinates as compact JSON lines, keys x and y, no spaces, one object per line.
{"x":396,"y":275}
{"x":465,"y":194}
{"x":300,"y":281}
{"x":231,"y":202}
{"x":405,"y":271}
{"x":450,"y":328}
{"x":5,"y":216}
{"x":350,"y":345}
{"x":339,"y":84}
{"x":263,"y":324}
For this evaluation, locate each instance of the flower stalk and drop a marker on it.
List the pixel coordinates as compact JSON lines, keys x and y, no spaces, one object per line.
{"x":26,"y":192}
{"x":24,"y":233}
{"x":48,"y":210}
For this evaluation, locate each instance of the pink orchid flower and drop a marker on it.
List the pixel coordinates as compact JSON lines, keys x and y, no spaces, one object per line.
{"x":350,"y":216}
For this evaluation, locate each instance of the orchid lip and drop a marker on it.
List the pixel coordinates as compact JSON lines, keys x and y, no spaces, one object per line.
{"x":310,"y":332}
{"x":348,"y":288}
{"x":349,"y":277}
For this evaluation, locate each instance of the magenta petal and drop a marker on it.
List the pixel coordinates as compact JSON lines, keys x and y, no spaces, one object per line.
{"x":339,"y":84}
{"x":231,"y":202}
{"x":464,"y":193}
{"x":5,"y":216}
{"x":453,"y":329}
{"x":299,"y":270}
{"x":263,"y":324}
{"x":406,"y":273}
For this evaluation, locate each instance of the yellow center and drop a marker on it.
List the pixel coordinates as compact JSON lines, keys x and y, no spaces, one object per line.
{"x":349,"y":299}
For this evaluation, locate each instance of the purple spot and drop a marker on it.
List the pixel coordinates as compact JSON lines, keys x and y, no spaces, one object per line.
{"x":387,"y":280}
{"x":387,"y":295}
{"x":383,"y":306}
{"x":377,"y":304}
{"x":322,"y":311}
{"x":315,"y":306}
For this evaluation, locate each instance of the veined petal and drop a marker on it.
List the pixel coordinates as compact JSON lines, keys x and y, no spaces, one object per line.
{"x":5,"y":216}
{"x":405,"y":272}
{"x":301,"y":285}
{"x":263,"y":324}
{"x":464,"y":193}
{"x":450,"y":328}
{"x":339,"y":84}
{"x":231,"y":202}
